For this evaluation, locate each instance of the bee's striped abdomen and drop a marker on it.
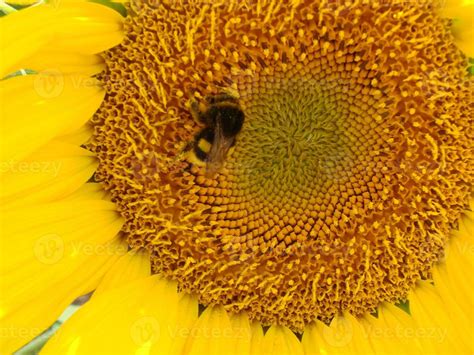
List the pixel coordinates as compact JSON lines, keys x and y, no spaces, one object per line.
{"x":201,"y":146}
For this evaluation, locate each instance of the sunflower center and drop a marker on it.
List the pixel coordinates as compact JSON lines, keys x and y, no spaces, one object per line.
{"x":297,"y":128}
{"x":345,"y":179}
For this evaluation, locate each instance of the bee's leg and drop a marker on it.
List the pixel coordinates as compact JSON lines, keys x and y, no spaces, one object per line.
{"x":182,"y":149}
{"x":214,"y":99}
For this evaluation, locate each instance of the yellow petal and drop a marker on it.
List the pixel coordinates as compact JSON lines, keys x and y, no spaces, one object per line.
{"x":453,"y":8}
{"x":450,"y":8}
{"x":88,"y":192}
{"x":21,"y":36}
{"x":463,"y":30}
{"x":458,"y":260}
{"x":461,"y":305}
{"x":44,"y":233}
{"x":53,"y":171}
{"x":131,"y":267}
{"x":280,"y":340}
{"x":313,"y":342}
{"x":212,"y":333}
{"x":257,"y":337}
{"x":442,"y":314}
{"x":242,"y":331}
{"x":359,"y":342}
{"x":37,"y":108}
{"x":80,"y":27}
{"x":51,"y":254}
{"x":345,"y":335}
{"x":432,"y":316}
{"x":393,"y":328}
{"x":179,"y":327}
{"x":35,"y":315}
{"x":217,"y":332}
{"x":87,"y":28}
{"x":62,"y":61}
{"x":109,"y":323}
{"x":77,"y":137}
{"x":462,"y":13}
{"x":123,"y":320}
{"x":453,"y":278}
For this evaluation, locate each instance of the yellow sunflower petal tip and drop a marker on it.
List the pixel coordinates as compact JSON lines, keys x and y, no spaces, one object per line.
{"x":462,"y":14}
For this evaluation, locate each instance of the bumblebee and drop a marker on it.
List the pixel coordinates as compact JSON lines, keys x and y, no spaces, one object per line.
{"x":223,"y":119}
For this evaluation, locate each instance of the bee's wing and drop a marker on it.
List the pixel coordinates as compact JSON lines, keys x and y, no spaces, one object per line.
{"x":220,"y":147}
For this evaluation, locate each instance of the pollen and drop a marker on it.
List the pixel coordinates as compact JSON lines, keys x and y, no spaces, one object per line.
{"x":343,"y":184}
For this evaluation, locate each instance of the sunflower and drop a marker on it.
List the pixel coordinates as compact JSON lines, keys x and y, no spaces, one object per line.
{"x":339,"y":222}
